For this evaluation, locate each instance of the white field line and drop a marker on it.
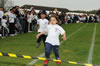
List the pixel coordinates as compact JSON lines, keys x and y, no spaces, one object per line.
{"x":92,"y":46}
{"x":43,"y":54}
{"x":34,"y":61}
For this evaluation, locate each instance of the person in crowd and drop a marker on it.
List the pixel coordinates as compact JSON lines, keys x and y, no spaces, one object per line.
{"x":98,"y":18}
{"x":34,"y":20}
{"x":22,"y":20}
{"x":39,"y":14}
{"x":75,"y":18}
{"x":26,"y":22}
{"x":86,"y":18}
{"x":42,"y":25}
{"x":11,"y":20}
{"x":91,"y":18}
{"x":62,"y":18}
{"x":17,"y":13}
{"x":19,"y":20}
{"x":1,"y":13}
{"x":68,"y":18}
{"x":82,"y":19}
{"x":29,"y":20}
{"x":52,"y":41}
{"x":5,"y":29}
{"x":95,"y":19}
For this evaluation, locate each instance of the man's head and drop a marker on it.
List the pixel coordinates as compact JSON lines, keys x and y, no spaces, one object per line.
{"x":1,"y":9}
{"x":14,"y":8}
{"x":17,"y":7}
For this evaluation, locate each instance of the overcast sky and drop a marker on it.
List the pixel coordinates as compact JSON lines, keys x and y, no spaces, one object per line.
{"x":70,"y":4}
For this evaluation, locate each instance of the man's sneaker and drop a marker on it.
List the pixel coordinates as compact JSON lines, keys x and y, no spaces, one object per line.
{"x":38,"y":44}
{"x":46,"y":62}
{"x":12,"y":34}
{"x":3,"y":37}
{"x":0,"y":34}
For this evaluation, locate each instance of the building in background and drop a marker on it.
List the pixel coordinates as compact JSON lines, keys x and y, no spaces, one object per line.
{"x":46,"y":8}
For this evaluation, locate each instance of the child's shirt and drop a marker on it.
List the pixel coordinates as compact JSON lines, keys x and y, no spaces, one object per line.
{"x":53,"y":32}
{"x":1,"y":14}
{"x":3,"y":22}
{"x":42,"y":24}
{"x":11,"y":17}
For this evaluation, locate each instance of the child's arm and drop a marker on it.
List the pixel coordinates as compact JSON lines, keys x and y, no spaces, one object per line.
{"x":38,"y":26}
{"x":38,"y":35}
{"x":63,"y":33}
{"x":64,"y":36}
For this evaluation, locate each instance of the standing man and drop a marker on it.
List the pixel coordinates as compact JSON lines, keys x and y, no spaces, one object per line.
{"x":42,"y":25}
{"x":1,"y":14}
{"x":12,"y":17}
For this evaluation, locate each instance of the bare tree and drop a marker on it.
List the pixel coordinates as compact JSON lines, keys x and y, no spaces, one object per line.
{"x":9,"y":4}
{"x":98,"y":12}
{"x":2,"y":3}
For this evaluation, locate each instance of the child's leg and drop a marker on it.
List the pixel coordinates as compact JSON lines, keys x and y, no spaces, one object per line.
{"x":56,"y":52}
{"x":39,"y":39}
{"x":44,"y":38}
{"x":48,"y":49}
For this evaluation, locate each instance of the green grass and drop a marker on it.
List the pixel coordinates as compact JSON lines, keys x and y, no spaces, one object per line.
{"x":76,"y":48}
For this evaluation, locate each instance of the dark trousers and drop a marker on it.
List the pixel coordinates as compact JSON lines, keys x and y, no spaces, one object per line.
{"x":42,"y":37}
{"x":34,"y":22}
{"x":26,"y":27}
{"x":3,"y":32}
{"x":31,"y":27}
{"x":0,"y":21}
{"x":12,"y":28}
{"x":22,"y":22}
{"x":69,"y":21}
{"x":48,"y":49}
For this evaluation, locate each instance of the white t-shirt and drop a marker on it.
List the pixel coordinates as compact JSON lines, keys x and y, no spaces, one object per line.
{"x":69,"y":18}
{"x":3,"y":22}
{"x":53,"y":32}
{"x":83,"y":18}
{"x":1,"y":14}
{"x":11,"y":17}
{"x":43,"y":23}
{"x":29,"y":18}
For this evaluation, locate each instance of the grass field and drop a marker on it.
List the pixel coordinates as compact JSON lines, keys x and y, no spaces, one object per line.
{"x":75,"y":48}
